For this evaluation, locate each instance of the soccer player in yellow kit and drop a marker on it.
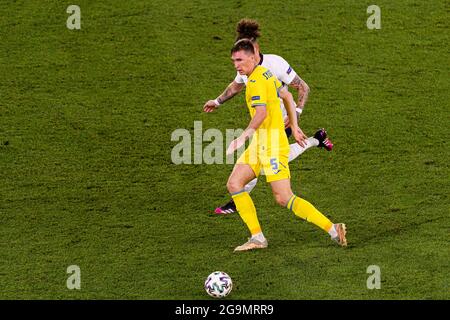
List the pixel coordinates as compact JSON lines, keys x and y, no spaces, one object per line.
{"x":280,"y":68}
{"x":268,"y":151}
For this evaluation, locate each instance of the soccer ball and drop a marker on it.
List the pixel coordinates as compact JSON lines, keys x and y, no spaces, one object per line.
{"x":218,"y":284}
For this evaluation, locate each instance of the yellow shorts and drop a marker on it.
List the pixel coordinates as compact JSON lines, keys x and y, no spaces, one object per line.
{"x":274,"y":165}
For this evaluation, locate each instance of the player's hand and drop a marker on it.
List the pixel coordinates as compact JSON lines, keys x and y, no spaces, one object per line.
{"x":210,"y":106}
{"x":299,"y":136}
{"x":234,"y":145}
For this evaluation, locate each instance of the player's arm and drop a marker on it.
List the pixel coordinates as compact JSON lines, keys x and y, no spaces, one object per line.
{"x":288,"y":95}
{"x":257,"y":120}
{"x":286,"y":74}
{"x":233,"y":89}
{"x":302,"y":89}
{"x":257,"y":90}
{"x":292,"y":115}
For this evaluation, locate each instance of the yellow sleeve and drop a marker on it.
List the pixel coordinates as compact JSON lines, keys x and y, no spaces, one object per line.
{"x":257,"y":92}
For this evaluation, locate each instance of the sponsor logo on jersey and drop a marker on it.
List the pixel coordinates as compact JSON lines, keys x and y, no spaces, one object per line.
{"x":252,"y":80}
{"x":256,"y":98}
{"x":289,"y":70}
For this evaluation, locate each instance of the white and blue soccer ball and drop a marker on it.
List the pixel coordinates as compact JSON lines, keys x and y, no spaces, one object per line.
{"x":218,"y":284}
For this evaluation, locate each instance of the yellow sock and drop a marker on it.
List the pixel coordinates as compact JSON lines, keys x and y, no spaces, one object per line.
{"x":307,"y":211}
{"x":247,"y":211}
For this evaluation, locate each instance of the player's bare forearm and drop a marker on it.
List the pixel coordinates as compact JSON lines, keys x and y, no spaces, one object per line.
{"x":255,"y":123}
{"x":289,"y":105}
{"x":302,"y":91}
{"x":257,"y":120}
{"x":233,"y":89}
{"x":292,"y":114}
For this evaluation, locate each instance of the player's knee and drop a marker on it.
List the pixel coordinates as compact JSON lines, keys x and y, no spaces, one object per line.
{"x":234,"y":186}
{"x":281,"y":199}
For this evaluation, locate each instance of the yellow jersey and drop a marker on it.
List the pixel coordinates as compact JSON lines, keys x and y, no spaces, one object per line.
{"x":262,"y":90}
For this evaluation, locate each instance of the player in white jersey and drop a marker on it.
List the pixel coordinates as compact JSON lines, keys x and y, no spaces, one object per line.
{"x":281,"y":69}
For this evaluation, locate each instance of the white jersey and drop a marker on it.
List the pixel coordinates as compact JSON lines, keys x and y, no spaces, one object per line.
{"x":280,"y":69}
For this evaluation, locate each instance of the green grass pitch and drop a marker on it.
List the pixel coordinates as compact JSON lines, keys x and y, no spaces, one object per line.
{"x":86,"y":118}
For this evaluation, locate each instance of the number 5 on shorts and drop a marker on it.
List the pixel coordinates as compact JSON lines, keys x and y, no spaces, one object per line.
{"x":274,"y":164}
